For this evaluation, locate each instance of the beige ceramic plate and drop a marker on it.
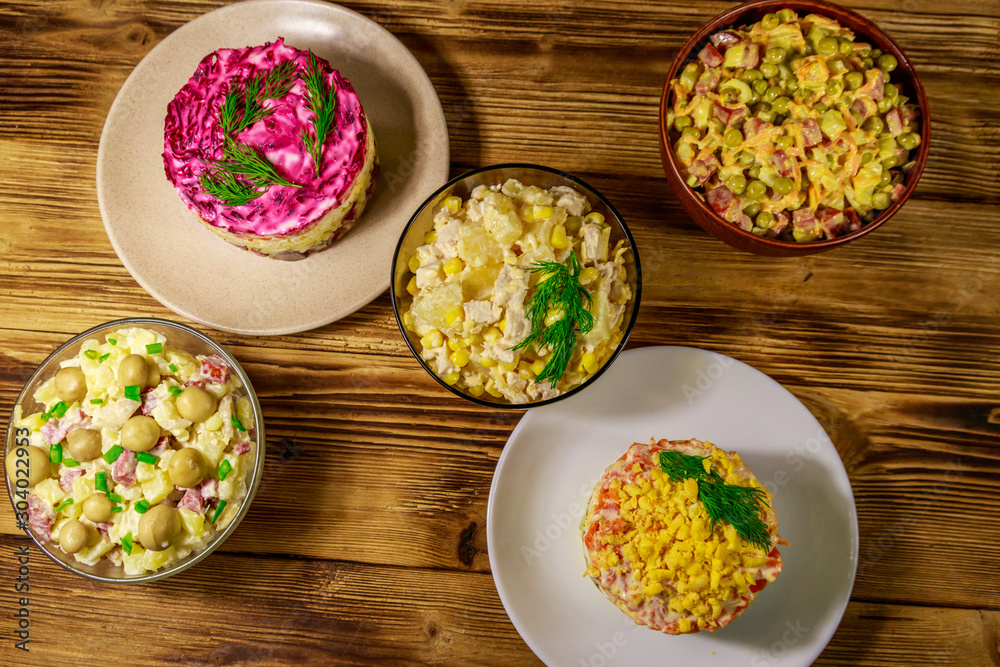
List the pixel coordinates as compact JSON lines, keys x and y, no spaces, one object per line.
{"x":196,"y":274}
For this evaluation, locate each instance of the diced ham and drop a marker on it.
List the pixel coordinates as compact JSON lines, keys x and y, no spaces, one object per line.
{"x":853,"y":221}
{"x":897,"y":191}
{"x":909,"y":112}
{"x":123,"y":470}
{"x":40,"y":517}
{"x":865,"y":107}
{"x":751,"y":55}
{"x":811,"y":134}
{"x":805,"y":220}
{"x":215,"y":369}
{"x":894,"y":123}
{"x":161,"y":446}
{"x":67,"y":476}
{"x":724,"y":39}
{"x":55,"y":430}
{"x":783,"y":163}
{"x":104,"y":527}
{"x":727,"y":205}
{"x":195,"y":383}
{"x":710,"y":56}
{"x":755,"y":126}
{"x":149,"y":401}
{"x":780,"y":223}
{"x":209,"y":488}
{"x":241,"y":447}
{"x":707,"y":82}
{"x":832,"y":221}
{"x":729,"y":115}
{"x":193,"y":501}
{"x":874,"y":86}
{"x":704,"y":168}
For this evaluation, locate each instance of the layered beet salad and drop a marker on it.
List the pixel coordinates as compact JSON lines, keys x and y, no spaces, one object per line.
{"x":270,"y":147}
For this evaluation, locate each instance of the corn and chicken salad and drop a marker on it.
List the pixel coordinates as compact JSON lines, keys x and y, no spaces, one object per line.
{"x":680,"y":536}
{"x":792,"y":129}
{"x":517,"y":292}
{"x":142,"y":454}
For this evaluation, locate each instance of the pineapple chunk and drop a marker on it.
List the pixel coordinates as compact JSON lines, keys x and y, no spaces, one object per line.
{"x":500,"y":219}
{"x":476,"y":247}
{"x":430,"y":307}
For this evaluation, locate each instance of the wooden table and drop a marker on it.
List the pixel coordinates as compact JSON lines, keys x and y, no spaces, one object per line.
{"x":366,"y":543}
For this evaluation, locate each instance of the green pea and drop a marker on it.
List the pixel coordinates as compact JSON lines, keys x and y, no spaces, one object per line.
{"x":909,"y":140}
{"x":774,"y":55}
{"x":834,"y":88}
{"x":884,"y":105}
{"x":769,"y":70}
{"x":751,"y":75}
{"x":866,"y":158}
{"x":718,"y":125}
{"x":854,"y":80}
{"x":732,"y":137}
{"x":827,"y":46}
{"x":786,"y":15}
{"x":691,"y":132}
{"x":746,"y":158}
{"x":846,"y":47}
{"x":886,"y":179}
{"x":771,"y":94}
{"x":759,"y":86}
{"x":765,"y":219}
{"x":791,"y":85}
{"x":681,"y":122}
{"x":756,"y":189}
{"x":874,"y":124}
{"x":890,"y":91}
{"x":770,"y":22}
{"x":754,"y":172}
{"x":868,"y":63}
{"x":737,"y":184}
{"x":881,"y":200}
{"x":781,"y":105}
{"x":886,"y":144}
{"x":784,"y":142}
{"x":820,"y":107}
{"x":766,"y":116}
{"x":752,"y":209}
{"x":783,"y":186}
{"x":862,"y":50}
{"x":890,"y":162}
{"x":875,"y":54}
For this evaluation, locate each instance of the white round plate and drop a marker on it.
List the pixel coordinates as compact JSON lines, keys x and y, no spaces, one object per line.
{"x":557,"y":453}
{"x":200,"y":276}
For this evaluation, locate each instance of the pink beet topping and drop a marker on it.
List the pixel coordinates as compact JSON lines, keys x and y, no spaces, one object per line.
{"x":192,"y":136}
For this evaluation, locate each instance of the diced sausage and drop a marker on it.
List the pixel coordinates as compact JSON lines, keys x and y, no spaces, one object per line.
{"x":724,"y":39}
{"x":241,"y":447}
{"x":40,"y":516}
{"x":215,"y":369}
{"x":811,"y":134}
{"x":865,"y":107}
{"x":874,"y":86}
{"x":710,"y":56}
{"x":193,"y":501}
{"x":784,"y":164}
{"x":729,"y":115}
{"x":832,"y":221}
{"x":894,"y":123}
{"x":67,"y":476}
{"x":123,"y":470}
{"x":707,"y":82}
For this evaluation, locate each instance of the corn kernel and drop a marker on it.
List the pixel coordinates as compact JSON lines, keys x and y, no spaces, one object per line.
{"x":413,"y":264}
{"x":527,"y":213}
{"x":492,"y":390}
{"x":589,"y":362}
{"x":430,"y":237}
{"x":451,"y":378}
{"x":411,"y":286}
{"x":454,"y":314}
{"x":453,"y":203}
{"x":594,"y":216}
{"x":538,"y":366}
{"x":452,"y":266}
{"x":460,"y":357}
{"x":511,"y":366}
{"x":542,"y":212}
{"x":559,"y":239}
{"x":474,"y":339}
{"x":476,"y":390}
{"x":553,"y":316}
{"x":454,"y":345}
{"x":588,"y":275}
{"x":524,"y":370}
{"x":408,"y":320}
{"x":492,"y":335}
{"x":488,"y":362}
{"x":503,"y":325}
{"x":432,"y":339}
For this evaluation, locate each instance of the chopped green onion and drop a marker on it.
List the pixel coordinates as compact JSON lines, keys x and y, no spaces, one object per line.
{"x":116,"y":508}
{"x":59,"y":409}
{"x":116,"y":498}
{"x":101,"y":482}
{"x":173,"y":368}
{"x":97,"y":401}
{"x":141,"y":506}
{"x":64,"y":504}
{"x":104,"y":356}
{"x":127,"y":543}
{"x":45,"y":416}
{"x":236,"y":422}
{"x":175,"y":390}
{"x":55,"y":453}
{"x":224,"y":469}
{"x":132,"y":391}
{"x":90,"y":354}
{"x":146,"y":457}
{"x":70,"y":463}
{"x":218,"y":510}
{"x":154,"y":348}
{"x":112,"y":341}
{"x":112,"y":454}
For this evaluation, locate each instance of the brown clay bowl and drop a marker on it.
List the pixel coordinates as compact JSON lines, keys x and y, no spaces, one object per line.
{"x":904,"y":75}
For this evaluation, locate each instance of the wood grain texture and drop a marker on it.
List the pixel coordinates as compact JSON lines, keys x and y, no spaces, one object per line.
{"x":892,"y":343}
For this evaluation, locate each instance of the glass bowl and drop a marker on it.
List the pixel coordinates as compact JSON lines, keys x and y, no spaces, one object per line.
{"x":462,"y":186}
{"x":182,"y":337}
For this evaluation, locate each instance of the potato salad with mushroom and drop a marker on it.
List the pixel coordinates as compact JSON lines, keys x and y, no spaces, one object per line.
{"x":142,"y":454}
{"x":518,"y":293}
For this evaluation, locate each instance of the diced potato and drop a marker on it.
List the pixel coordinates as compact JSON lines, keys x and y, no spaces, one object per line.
{"x":244,"y":412}
{"x":154,"y":560}
{"x":144,"y":472}
{"x":49,"y":491}
{"x":194,"y":524}
{"x":157,"y":487}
